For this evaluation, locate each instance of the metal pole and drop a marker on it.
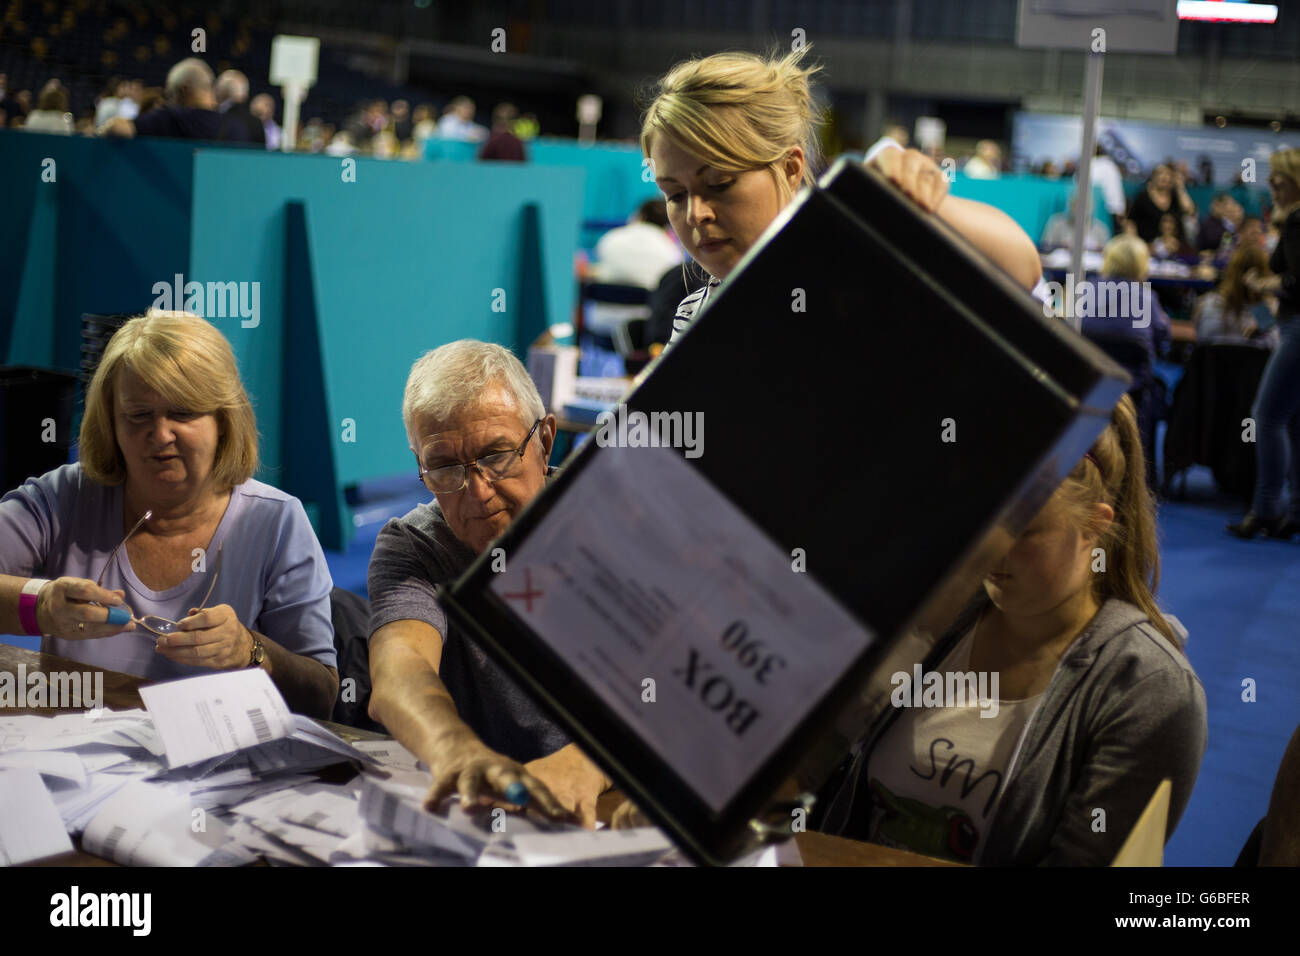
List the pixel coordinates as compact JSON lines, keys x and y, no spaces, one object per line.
{"x":292,"y":93}
{"x":1083,"y":178}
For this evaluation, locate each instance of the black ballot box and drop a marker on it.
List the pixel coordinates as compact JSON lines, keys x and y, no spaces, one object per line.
{"x":840,"y":447}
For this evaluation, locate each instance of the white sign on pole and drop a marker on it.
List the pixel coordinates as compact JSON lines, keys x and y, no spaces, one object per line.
{"x":293,"y":60}
{"x":293,"y":69}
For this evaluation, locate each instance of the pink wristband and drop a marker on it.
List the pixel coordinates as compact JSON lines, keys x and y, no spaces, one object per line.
{"x":27,"y":605}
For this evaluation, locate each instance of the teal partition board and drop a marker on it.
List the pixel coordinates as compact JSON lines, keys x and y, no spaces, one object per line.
{"x":617,"y":180}
{"x":404,"y":257}
{"x":87,"y":226}
{"x":1029,"y":200}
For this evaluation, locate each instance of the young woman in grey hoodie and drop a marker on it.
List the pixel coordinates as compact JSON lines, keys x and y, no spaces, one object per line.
{"x":1095,"y":702}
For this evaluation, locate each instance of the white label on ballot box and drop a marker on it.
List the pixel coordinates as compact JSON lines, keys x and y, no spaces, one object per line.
{"x":643,"y":572}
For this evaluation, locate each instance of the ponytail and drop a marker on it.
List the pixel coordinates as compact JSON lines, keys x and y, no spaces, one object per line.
{"x":1114,"y":473}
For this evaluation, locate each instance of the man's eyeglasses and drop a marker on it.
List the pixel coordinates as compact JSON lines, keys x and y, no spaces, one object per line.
{"x":449,"y":479}
{"x":152,"y":622}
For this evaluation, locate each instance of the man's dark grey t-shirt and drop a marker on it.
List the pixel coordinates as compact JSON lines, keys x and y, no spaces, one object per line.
{"x":413,"y":555}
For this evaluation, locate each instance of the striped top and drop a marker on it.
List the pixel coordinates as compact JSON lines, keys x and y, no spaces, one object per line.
{"x":690,"y":307}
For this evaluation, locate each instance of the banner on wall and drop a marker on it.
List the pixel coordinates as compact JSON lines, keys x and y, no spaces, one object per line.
{"x":1214,"y":156}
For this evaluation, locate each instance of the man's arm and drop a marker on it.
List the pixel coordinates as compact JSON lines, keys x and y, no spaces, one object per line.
{"x":411,"y":701}
{"x":574,"y":779}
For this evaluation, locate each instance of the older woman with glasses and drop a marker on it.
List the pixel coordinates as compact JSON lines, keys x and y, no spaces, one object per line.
{"x":157,"y":553}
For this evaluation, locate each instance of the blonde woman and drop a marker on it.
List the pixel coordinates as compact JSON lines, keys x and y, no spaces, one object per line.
{"x":1277,"y":403}
{"x":731,"y":138}
{"x":157,"y":553}
{"x":1095,"y":705}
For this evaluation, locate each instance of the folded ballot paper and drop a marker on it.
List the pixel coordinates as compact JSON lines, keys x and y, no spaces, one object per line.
{"x":150,"y":787}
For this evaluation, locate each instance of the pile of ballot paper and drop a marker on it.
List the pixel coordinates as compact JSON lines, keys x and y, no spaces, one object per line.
{"x":218,"y":772}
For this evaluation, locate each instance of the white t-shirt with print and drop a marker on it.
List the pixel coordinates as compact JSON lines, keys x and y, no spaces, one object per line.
{"x":937,"y":774}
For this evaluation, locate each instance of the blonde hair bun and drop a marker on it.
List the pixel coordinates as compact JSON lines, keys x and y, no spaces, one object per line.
{"x":739,"y":111}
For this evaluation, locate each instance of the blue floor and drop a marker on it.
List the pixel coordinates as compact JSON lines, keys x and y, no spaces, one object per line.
{"x":1240,"y":602}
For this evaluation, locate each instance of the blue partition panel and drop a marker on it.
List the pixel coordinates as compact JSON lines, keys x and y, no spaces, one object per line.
{"x":114,"y":220}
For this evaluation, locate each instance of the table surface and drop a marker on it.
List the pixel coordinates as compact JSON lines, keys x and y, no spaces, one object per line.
{"x":122,"y":692}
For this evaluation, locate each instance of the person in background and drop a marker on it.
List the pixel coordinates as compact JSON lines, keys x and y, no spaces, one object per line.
{"x":239,"y":125}
{"x":22,"y":105}
{"x":481,"y":440}
{"x":263,"y":107}
{"x":189,"y":110}
{"x":527,"y":127}
{"x":110,"y":101}
{"x":1272,"y":235}
{"x":341,"y":144}
{"x":1164,"y":193}
{"x":987,"y":161}
{"x":1139,"y":318}
{"x":639,"y":254}
{"x":129,"y":104}
{"x":384,"y":145}
{"x":1251,"y":233}
{"x":1170,"y":244}
{"x":458,"y":121}
{"x":423,"y":126}
{"x":400,"y":115}
{"x":151,"y":97}
{"x":1097,"y":700}
{"x":503,"y":144}
{"x":1277,"y":403}
{"x":1106,"y":175}
{"x":1231,"y":311}
{"x":314,"y":136}
{"x":51,"y":114}
{"x":1221,"y":225}
{"x":898,"y":133}
{"x":157,"y":553}
{"x":1280,"y":836}
{"x":1059,"y":231}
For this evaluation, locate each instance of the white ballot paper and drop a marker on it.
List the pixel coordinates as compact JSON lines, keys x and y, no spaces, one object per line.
{"x":30,"y":825}
{"x":202,"y":717}
{"x":686,"y":619}
{"x":388,"y":753}
{"x":145,"y":824}
{"x":633,"y":847}
{"x":54,"y":764}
